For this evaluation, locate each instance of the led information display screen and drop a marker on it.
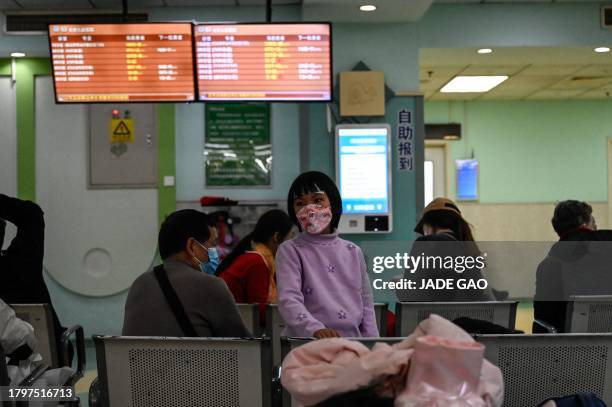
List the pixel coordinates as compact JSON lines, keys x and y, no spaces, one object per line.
{"x":265,"y":62}
{"x":467,"y":179}
{"x":145,"y":62}
{"x":363,"y":159}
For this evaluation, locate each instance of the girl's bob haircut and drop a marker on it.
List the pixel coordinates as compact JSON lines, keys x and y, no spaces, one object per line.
{"x":311,"y":182}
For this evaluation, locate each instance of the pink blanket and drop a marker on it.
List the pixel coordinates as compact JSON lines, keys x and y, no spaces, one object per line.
{"x":438,"y":365}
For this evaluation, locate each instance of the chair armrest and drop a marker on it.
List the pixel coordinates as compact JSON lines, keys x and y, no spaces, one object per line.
{"x":543,"y":324}
{"x":76,"y":330}
{"x":94,"y":393}
{"x":277,"y":388}
{"x":36,"y":373}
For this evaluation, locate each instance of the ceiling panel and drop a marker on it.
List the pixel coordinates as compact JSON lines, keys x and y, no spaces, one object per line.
{"x":555,"y":94}
{"x":519,"y":88}
{"x":516,"y":1}
{"x":492,"y":70}
{"x":54,"y":4}
{"x":8,"y":5}
{"x":433,"y":84}
{"x":348,"y":11}
{"x":596,"y":94}
{"x":263,"y":2}
{"x":582,"y":83}
{"x":455,"y":96}
{"x":133,"y":4}
{"x":501,"y":96}
{"x":190,"y":3}
{"x":595,"y":70}
{"x":548,"y":70}
{"x":535,"y":73}
{"x":436,"y":72}
{"x":530,"y":81}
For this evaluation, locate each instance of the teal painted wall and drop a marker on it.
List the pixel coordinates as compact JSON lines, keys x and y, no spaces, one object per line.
{"x":392,"y":48}
{"x":532,"y":151}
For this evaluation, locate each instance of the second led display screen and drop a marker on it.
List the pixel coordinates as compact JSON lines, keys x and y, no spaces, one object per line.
{"x":264,"y":62}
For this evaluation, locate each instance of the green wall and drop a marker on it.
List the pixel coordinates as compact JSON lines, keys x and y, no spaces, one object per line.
{"x":532,"y":151}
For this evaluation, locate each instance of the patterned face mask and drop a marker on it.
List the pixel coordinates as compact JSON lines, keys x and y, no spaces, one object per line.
{"x":314,"y":218}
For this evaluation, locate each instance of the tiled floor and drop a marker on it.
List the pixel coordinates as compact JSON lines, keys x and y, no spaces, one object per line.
{"x":524,"y":316}
{"x":82,"y":387}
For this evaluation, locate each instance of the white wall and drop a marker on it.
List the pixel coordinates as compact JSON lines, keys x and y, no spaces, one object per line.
{"x":96,"y":241}
{"x":8,"y":147}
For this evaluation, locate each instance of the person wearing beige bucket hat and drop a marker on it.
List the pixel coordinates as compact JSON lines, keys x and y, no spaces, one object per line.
{"x":445,"y":233}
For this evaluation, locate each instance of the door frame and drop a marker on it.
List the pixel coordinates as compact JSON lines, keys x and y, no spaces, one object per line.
{"x":447,"y":161}
{"x":609,"y":225}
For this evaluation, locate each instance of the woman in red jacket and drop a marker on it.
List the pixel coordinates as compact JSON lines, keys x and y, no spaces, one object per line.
{"x":249,"y":270}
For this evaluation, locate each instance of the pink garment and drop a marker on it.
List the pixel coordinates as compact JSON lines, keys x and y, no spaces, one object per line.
{"x":443,"y":373}
{"x":437,"y":354}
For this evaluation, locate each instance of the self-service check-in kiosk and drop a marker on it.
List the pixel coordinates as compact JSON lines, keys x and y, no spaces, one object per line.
{"x":363,"y":174}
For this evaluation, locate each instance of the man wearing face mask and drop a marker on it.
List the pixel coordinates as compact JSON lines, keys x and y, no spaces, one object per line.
{"x":182,"y":297}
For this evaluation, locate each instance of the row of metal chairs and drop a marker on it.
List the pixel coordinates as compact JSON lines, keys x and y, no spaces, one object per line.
{"x":589,"y":313}
{"x":408,"y":315}
{"x":219,"y":372}
{"x":585,"y":314}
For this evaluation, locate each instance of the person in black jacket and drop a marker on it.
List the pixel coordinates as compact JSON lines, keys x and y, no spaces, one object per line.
{"x":575,"y":225}
{"x":445,"y":234}
{"x":21,"y":264}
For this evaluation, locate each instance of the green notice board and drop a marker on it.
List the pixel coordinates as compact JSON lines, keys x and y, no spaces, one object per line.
{"x":237,"y":146}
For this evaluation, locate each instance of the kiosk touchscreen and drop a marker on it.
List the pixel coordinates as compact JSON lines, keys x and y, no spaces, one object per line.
{"x":363,"y":173}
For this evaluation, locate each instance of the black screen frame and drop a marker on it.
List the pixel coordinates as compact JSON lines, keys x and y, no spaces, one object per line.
{"x":267,"y":100}
{"x":193,"y":56}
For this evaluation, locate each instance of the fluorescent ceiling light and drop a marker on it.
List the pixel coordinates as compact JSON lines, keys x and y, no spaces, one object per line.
{"x":468,"y":84}
{"x":367,"y":7}
{"x":602,"y":49}
{"x":485,"y":51}
{"x":17,"y":54}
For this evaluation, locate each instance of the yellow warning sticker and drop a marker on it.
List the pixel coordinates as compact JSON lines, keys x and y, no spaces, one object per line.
{"x":121,"y":131}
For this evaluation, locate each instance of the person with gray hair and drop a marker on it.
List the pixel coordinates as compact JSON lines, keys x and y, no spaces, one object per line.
{"x":572,"y":266}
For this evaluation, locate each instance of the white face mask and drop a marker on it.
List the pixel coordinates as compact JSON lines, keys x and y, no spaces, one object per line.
{"x":314,"y":218}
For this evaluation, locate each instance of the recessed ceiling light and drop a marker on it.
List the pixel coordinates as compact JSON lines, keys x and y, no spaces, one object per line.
{"x":367,"y":7}
{"x":602,"y":49}
{"x":469,"y":84}
{"x":17,"y":54}
{"x":485,"y":51}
